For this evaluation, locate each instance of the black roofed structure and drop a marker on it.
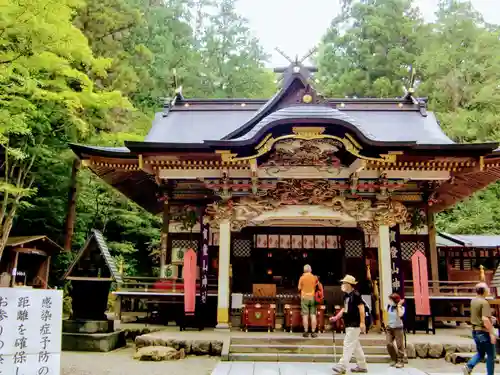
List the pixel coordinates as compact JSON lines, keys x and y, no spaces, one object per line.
{"x":342,"y":170}
{"x":91,"y":274}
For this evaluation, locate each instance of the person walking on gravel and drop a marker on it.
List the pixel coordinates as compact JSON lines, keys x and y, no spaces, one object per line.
{"x":354,"y":321}
{"x":307,"y":288}
{"x":395,"y":331}
{"x":482,"y":331}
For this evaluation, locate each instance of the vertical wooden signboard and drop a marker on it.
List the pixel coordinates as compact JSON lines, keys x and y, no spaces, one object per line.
{"x":204,"y":260}
{"x":396,"y":261}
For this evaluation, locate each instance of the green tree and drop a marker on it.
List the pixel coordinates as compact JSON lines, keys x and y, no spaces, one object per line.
{"x":460,"y":66}
{"x":46,"y":95}
{"x":369,"y":48}
{"x":232,"y":59}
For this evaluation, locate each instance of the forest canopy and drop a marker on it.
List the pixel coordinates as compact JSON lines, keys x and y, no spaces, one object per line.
{"x":95,"y":72}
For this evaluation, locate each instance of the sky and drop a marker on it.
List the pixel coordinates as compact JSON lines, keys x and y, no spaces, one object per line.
{"x":296,"y":26}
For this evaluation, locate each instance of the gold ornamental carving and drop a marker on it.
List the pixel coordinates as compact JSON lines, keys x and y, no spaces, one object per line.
{"x":240,"y":212}
{"x":306,"y":133}
{"x":390,"y":213}
{"x":300,"y":152}
{"x":316,"y":192}
{"x":369,"y":227}
{"x":219,"y":211}
{"x":355,"y":208}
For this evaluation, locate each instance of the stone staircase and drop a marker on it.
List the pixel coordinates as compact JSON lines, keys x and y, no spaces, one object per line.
{"x":294,"y":348}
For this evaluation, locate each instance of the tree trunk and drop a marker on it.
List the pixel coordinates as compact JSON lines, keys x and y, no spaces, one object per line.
{"x":71,"y":214}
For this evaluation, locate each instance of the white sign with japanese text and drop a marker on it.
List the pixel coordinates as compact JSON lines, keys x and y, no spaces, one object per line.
{"x":30,"y":331}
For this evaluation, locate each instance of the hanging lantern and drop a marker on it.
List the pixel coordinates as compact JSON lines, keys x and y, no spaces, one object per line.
{"x":269,"y":271}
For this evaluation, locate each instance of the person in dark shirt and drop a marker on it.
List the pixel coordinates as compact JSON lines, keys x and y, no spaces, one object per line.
{"x":353,"y":314}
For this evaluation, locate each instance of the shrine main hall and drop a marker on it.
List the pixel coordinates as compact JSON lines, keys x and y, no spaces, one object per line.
{"x":349,"y":186}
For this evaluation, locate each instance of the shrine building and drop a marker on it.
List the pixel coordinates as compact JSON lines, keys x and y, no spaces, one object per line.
{"x":349,"y":186}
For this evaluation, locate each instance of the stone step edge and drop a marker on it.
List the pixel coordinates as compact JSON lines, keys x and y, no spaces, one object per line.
{"x":279,"y":346}
{"x":366,"y":342}
{"x":294,"y":357}
{"x":303,"y":355}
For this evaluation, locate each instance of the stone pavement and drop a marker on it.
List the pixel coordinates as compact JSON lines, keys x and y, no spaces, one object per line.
{"x":261,"y":368}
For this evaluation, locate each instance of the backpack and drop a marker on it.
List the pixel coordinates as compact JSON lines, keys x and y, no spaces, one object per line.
{"x":368,"y":317}
{"x":390,"y":308}
{"x":318,"y":293}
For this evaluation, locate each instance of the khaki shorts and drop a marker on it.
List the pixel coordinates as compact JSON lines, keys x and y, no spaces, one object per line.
{"x":308,"y":306}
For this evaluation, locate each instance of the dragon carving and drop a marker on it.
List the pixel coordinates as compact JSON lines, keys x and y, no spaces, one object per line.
{"x":298,"y":152}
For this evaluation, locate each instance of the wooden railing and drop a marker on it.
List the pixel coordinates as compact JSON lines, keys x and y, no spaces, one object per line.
{"x":150,"y":284}
{"x":447,"y":288}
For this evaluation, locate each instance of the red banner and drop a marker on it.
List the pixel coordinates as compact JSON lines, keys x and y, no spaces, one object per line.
{"x":189,"y":276}
{"x":420,"y":283}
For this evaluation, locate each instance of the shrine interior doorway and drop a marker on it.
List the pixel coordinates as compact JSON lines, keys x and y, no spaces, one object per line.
{"x":277,"y":255}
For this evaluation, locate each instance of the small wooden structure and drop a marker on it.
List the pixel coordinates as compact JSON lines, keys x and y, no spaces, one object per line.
{"x":26,"y":261}
{"x":91,"y":275}
{"x":462,"y":255}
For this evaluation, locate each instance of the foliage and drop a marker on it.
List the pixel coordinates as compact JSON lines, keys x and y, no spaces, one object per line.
{"x":360,"y":56}
{"x":94,"y":72}
{"x":461,"y":69}
{"x":46,"y":95}
{"x":457,"y":64}
{"x":233,"y":60}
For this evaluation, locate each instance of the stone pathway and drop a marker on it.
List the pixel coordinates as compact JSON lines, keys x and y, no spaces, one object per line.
{"x":261,"y":368}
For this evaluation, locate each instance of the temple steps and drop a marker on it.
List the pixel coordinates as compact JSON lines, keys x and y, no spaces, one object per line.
{"x":302,"y":349}
{"x":298,"y":349}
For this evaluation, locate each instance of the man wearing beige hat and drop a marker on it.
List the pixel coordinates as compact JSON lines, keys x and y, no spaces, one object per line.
{"x":354,"y":320}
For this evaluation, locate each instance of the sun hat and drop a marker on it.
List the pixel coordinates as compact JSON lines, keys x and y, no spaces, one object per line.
{"x":349,"y":280}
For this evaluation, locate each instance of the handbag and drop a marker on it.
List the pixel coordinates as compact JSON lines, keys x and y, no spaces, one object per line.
{"x":318,"y":293}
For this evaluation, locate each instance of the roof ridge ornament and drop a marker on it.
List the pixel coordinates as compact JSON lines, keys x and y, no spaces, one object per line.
{"x":170,"y":102}
{"x":296,"y":66}
{"x":409,"y":93}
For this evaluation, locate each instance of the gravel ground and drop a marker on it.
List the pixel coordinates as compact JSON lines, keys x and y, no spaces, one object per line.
{"x":120,"y":362}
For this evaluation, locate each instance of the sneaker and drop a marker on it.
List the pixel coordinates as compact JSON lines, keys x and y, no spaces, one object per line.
{"x":399,"y":365}
{"x":337,"y":370}
{"x":393,"y":364}
{"x":305,"y":334}
{"x":314,"y":335}
{"x":359,"y":370}
{"x":466,"y":370}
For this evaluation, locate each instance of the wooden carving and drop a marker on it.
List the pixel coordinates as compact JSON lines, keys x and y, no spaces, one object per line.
{"x":299,"y":152}
{"x":303,"y":192}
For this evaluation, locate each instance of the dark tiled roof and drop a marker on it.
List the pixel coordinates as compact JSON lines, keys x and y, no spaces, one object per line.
{"x":80,"y":150}
{"x":110,"y":261}
{"x":467,"y":240}
{"x":383,"y":126}
{"x":103,"y":248}
{"x":195,"y":126}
